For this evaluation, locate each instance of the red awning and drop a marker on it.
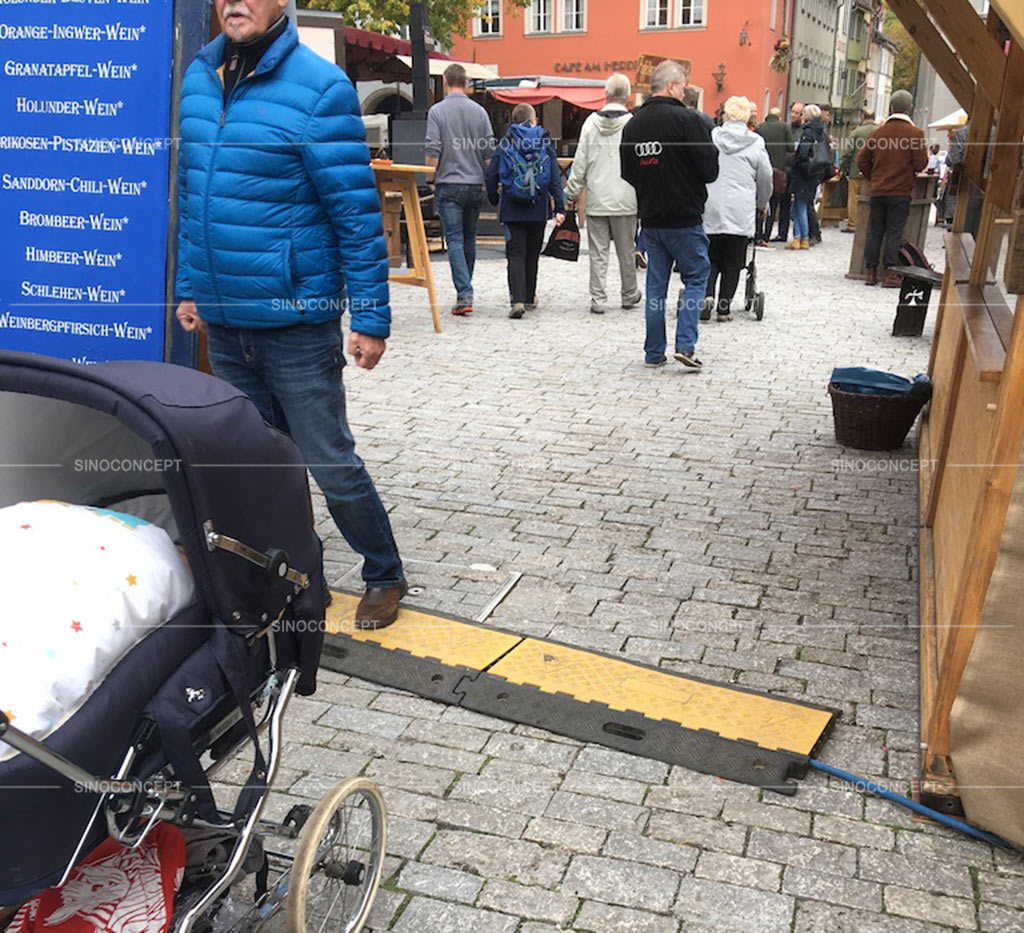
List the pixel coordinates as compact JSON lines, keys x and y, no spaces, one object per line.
{"x":590,"y":98}
{"x":378,"y":42}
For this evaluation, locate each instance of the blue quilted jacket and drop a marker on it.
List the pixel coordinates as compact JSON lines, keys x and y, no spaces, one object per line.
{"x":279,"y":213}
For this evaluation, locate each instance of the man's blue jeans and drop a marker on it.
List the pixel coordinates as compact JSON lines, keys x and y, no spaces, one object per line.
{"x":293,"y":376}
{"x":687,"y":246}
{"x":458,"y":206}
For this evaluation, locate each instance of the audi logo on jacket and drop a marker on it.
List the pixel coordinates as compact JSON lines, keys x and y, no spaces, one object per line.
{"x":668,"y":157}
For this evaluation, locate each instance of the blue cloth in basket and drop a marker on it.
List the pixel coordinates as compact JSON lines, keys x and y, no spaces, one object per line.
{"x":863,"y":381}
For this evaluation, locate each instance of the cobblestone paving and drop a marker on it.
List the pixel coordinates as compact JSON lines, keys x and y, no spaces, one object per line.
{"x":705,"y":523}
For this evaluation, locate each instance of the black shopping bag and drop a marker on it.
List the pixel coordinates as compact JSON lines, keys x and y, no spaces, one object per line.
{"x":564,"y":242}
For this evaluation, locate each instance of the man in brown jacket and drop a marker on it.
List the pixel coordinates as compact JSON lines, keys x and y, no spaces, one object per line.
{"x":890,"y":160}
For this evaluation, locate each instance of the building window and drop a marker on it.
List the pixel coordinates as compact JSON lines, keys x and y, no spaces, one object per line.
{"x":539,"y":16}
{"x":573,"y":19}
{"x":775,"y":10}
{"x":656,"y":12}
{"x":691,"y":12}
{"x":488,"y":23}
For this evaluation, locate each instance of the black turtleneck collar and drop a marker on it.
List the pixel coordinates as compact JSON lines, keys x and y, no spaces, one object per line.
{"x":241,"y":58}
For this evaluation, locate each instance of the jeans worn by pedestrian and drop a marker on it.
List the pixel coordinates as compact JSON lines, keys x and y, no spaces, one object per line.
{"x":293,"y":375}
{"x":688,"y":247}
{"x":458,"y":206}
{"x":801,"y":226}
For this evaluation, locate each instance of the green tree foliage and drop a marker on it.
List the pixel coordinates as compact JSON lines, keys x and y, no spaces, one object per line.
{"x":447,"y":18}
{"x":907,"y":59}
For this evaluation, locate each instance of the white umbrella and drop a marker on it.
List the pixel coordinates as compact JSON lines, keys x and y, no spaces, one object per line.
{"x":950,"y":121}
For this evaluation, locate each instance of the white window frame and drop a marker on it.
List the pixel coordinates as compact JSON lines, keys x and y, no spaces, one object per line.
{"x":580,"y":11}
{"x":483,"y":29}
{"x":531,"y":18}
{"x":774,"y":15}
{"x":645,"y":11}
{"x":698,"y":7}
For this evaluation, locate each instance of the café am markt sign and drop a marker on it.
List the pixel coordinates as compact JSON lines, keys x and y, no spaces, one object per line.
{"x":563,"y":68}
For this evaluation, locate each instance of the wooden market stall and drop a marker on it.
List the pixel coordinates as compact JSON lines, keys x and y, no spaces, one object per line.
{"x":971,"y":481}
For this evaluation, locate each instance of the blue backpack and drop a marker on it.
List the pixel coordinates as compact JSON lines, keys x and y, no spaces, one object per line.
{"x":526,"y":165}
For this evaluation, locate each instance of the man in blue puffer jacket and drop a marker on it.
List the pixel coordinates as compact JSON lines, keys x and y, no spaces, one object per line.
{"x":280,"y":230}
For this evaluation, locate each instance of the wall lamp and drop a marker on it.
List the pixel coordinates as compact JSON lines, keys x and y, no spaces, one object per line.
{"x":719,"y":77}
{"x":744,"y":38}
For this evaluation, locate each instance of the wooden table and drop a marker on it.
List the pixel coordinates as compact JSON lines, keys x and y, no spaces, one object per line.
{"x":395,"y":179}
{"x":916,"y":229}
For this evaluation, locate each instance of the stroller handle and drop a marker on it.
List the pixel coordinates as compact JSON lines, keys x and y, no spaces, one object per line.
{"x":32,"y":747}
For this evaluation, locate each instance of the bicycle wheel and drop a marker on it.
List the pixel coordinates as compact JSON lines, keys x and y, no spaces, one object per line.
{"x":339,"y":860}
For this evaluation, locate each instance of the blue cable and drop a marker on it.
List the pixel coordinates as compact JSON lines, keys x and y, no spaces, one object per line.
{"x":879,"y":791}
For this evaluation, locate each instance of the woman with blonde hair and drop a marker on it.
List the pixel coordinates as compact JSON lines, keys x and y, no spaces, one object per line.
{"x":742,"y":189}
{"x":805,"y":180}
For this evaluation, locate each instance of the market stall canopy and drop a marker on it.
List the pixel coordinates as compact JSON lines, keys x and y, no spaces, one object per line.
{"x":437,"y":66}
{"x":378,"y":42}
{"x":539,"y":90}
{"x":950,"y":121}
{"x":365,"y":55}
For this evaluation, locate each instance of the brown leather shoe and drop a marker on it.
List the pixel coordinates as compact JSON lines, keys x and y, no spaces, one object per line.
{"x":891,"y":280}
{"x":872,"y":278}
{"x":379,"y":606}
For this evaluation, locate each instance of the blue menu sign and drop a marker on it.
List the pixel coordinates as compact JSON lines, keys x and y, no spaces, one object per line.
{"x":84,"y":115}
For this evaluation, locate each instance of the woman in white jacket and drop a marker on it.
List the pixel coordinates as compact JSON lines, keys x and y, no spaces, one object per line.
{"x":611,"y":202}
{"x":742,"y":189}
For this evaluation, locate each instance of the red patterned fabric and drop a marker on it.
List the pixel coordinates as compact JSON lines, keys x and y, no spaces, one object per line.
{"x":115,"y":890}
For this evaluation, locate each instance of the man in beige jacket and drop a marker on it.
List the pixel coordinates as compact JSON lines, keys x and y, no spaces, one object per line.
{"x":610,"y":201}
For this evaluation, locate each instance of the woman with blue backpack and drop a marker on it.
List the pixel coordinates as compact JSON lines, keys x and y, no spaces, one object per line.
{"x":525,"y":174}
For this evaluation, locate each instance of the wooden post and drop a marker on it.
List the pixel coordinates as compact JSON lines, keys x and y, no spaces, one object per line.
{"x":975,"y":44}
{"x":1014,"y":273}
{"x":935,"y":48}
{"x":985,"y":530}
{"x":1012,"y":14}
{"x":1006,"y":152}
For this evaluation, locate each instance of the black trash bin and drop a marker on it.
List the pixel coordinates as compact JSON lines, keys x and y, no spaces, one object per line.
{"x":915,"y":293}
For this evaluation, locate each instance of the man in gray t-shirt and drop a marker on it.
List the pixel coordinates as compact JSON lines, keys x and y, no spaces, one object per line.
{"x":459,"y":144}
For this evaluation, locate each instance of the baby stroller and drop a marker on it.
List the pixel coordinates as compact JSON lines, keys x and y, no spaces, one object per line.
{"x":191,"y":454}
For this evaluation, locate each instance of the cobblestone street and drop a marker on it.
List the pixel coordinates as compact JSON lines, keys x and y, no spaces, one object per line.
{"x":708,"y":524}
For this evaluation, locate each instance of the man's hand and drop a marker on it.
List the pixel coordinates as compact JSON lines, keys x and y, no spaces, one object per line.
{"x":559,"y":219}
{"x":188,"y":317}
{"x":366,"y":351}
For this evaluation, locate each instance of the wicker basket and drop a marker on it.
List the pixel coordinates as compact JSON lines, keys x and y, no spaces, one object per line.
{"x":873,"y":422}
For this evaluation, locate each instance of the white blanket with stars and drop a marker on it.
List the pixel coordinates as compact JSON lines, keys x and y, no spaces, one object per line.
{"x":83,"y":586}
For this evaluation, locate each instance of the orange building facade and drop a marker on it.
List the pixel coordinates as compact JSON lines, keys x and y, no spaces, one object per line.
{"x":728,"y":44}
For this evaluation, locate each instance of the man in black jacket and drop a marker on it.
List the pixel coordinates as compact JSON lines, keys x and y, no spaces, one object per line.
{"x":668,"y":156}
{"x":778,"y":138}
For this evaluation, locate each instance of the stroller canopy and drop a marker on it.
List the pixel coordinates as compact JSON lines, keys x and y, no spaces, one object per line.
{"x":179,"y":448}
